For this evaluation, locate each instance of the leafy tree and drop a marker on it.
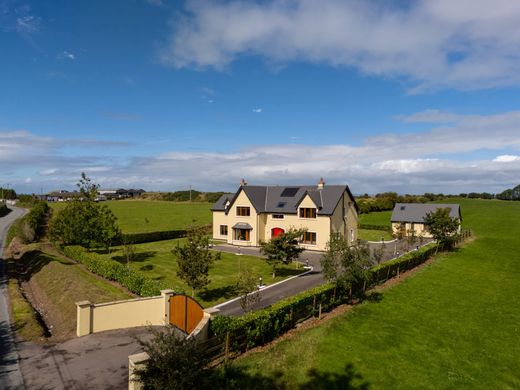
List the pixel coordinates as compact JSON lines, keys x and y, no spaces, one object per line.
{"x":194,"y":259}
{"x":346,"y":265}
{"x":175,"y":363}
{"x":283,"y":248}
{"x":442,"y":227}
{"x":247,"y":290}
{"x":83,"y":221}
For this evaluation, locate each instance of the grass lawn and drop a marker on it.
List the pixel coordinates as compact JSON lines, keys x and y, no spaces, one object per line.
{"x":454,"y":324}
{"x":58,"y":285}
{"x":377,"y":218}
{"x":374,"y":235}
{"x":142,"y":216}
{"x":156,"y":261}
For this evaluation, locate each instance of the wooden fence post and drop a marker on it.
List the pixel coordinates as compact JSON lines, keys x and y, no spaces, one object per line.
{"x":226,"y":347}
{"x":398,"y":270}
{"x":314,"y":303}
{"x":291,"y":318}
{"x":319,"y":314}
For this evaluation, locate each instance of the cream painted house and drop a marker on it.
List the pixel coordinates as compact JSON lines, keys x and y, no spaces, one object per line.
{"x":259,"y":213}
{"x":409,"y":217}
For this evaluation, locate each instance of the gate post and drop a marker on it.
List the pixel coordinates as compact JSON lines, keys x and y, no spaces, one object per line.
{"x":166,"y":294}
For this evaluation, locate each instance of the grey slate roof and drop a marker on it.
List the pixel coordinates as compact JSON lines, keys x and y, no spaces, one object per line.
{"x":220,"y":204}
{"x":269,"y":199}
{"x":415,"y":212}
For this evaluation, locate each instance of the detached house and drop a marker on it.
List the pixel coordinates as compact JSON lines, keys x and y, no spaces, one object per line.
{"x":408,"y":217}
{"x":259,"y":213}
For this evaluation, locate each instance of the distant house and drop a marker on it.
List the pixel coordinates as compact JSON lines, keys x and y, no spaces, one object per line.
{"x":120,"y":193}
{"x":61,"y":196}
{"x":259,"y":213}
{"x":408,"y":217}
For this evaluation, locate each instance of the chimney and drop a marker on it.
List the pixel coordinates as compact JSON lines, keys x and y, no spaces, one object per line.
{"x":321,"y":183}
{"x":243,"y":183}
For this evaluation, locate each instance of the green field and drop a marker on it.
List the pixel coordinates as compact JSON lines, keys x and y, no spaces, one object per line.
{"x":142,"y":216}
{"x":155,"y":260}
{"x":454,"y":324}
{"x":374,"y":235}
{"x":379,"y":218}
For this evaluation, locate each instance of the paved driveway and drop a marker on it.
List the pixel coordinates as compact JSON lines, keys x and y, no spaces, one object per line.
{"x":270,"y":295}
{"x":96,"y":361}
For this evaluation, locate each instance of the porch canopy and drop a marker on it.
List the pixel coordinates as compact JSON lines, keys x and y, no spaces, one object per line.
{"x":243,"y":226}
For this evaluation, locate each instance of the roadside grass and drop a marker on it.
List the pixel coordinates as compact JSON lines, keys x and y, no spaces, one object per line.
{"x":155,"y":260}
{"x":56,"y":284}
{"x":381,"y":218}
{"x":454,"y":324}
{"x":374,"y":235}
{"x":143,"y":216}
{"x":23,"y":316}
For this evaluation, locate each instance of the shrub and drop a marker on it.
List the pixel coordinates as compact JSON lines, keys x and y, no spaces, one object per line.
{"x":30,"y":227}
{"x":112,"y":270}
{"x":4,"y":210}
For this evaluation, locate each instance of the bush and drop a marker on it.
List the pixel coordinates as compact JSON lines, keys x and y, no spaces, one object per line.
{"x":140,"y":238}
{"x":368,"y":226}
{"x":267,"y":324}
{"x":4,"y":210}
{"x":30,"y":227}
{"x":112,"y":270}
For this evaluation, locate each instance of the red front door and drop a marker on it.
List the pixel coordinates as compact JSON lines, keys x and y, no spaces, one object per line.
{"x":275,"y":232}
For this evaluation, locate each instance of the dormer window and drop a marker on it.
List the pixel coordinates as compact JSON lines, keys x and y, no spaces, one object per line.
{"x":307,"y":212}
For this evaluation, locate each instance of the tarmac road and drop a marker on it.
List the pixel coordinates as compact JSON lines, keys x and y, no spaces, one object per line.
{"x":10,"y":374}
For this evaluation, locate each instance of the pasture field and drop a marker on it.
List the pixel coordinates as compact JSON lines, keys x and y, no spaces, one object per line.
{"x":156,"y":261}
{"x":381,"y":218}
{"x":453,"y":324}
{"x":374,"y":235}
{"x":143,"y":216}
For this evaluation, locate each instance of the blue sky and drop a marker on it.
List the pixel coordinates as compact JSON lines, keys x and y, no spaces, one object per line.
{"x":410,"y":97}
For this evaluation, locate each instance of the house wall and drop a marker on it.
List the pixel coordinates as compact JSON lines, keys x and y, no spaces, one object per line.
{"x":419,"y":228}
{"x":319,"y":225}
{"x":243,"y":201}
{"x":220,"y":218}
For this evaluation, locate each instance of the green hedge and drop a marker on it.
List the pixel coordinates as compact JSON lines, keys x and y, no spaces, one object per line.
{"x":35,"y":219}
{"x":112,"y":270}
{"x":267,"y":324}
{"x":368,"y":226}
{"x":140,"y":238}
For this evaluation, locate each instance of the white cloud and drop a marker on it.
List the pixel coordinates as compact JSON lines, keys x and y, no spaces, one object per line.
{"x":28,"y":24}
{"x":257,"y":110}
{"x":506,"y":158}
{"x":442,"y":159}
{"x":66,"y":55}
{"x":465,"y":44}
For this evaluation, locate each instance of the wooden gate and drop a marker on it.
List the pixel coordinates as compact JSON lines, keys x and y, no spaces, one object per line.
{"x":185,"y":312}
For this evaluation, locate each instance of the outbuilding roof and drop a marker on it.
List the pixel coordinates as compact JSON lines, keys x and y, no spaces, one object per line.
{"x":415,"y":212}
{"x":286,"y":199}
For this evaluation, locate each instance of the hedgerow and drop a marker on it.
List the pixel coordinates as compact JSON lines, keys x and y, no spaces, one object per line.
{"x":368,"y":226}
{"x":112,"y":270}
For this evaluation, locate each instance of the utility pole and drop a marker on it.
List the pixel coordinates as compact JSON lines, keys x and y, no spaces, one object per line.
{"x":190,"y":192}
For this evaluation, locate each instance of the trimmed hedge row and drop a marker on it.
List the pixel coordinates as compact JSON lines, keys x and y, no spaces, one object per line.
{"x":112,"y":270}
{"x":140,"y":238}
{"x":267,"y":324}
{"x":374,"y":227}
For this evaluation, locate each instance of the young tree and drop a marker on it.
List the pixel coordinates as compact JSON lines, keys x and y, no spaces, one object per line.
{"x":378,"y":253}
{"x":129,"y":252}
{"x":83,"y":221}
{"x":283,"y":248}
{"x":346,"y":265}
{"x":194,"y":259}
{"x":442,"y":227}
{"x":247,"y":290}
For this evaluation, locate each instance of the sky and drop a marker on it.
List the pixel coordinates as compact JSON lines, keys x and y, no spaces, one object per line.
{"x":405,"y":96}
